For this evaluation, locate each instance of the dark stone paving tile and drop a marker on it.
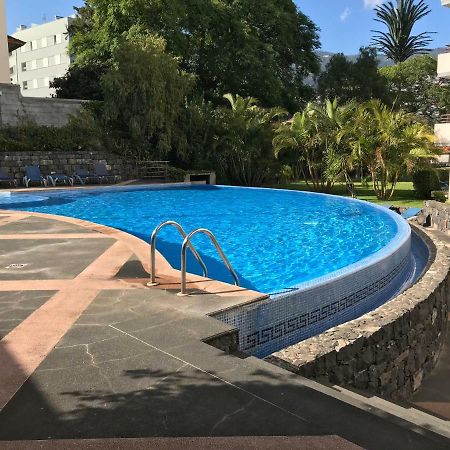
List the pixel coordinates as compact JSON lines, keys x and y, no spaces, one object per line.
{"x":86,"y":334}
{"x":6,"y":326}
{"x":17,"y":306}
{"x":162,"y":381}
{"x":37,"y":225}
{"x":49,"y":259}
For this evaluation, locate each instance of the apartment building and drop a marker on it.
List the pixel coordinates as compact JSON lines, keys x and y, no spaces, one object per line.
{"x":442,"y":129}
{"x":43,"y":57}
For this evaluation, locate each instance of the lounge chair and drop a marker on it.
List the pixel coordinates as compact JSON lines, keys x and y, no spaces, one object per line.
{"x":6,"y":178}
{"x":33,"y":175}
{"x":83,"y":176}
{"x":56,"y":178}
{"x":104,"y":176}
{"x":409,"y":213}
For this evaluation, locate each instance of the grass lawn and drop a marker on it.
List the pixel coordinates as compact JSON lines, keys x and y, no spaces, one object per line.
{"x":404,"y":194}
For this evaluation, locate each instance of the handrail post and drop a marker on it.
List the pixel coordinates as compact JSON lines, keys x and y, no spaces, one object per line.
{"x":153,"y":237}
{"x":187,"y":242}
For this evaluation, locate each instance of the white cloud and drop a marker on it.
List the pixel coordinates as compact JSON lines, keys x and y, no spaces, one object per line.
{"x":344,"y":14}
{"x":372,"y":3}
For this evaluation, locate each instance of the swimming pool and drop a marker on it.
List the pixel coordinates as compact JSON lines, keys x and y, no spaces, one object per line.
{"x":275,"y":239}
{"x":323,"y":259}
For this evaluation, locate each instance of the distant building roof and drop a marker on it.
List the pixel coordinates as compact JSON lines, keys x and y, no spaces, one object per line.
{"x":14,"y":43}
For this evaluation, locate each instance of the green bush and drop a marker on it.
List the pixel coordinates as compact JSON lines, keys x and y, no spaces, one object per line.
{"x":439,"y":196}
{"x":31,"y":137}
{"x":426,"y":181}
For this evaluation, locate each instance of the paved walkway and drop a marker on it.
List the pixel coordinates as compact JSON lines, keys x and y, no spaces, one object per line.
{"x":87,"y":351}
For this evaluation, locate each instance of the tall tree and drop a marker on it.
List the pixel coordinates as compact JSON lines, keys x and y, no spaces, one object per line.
{"x":144,"y":94}
{"x":263,"y":49}
{"x":414,"y":87}
{"x":398,"y":43}
{"x":346,"y":80}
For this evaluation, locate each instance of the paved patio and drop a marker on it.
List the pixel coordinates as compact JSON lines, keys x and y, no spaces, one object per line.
{"x":88,"y":352}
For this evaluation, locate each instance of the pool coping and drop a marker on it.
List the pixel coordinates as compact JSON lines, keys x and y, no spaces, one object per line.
{"x":167,"y":276}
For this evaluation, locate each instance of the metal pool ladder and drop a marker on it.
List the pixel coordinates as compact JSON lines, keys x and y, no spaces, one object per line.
{"x":187,"y":244}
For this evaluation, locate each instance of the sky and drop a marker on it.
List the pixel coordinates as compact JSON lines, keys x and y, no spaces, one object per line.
{"x":345,"y":25}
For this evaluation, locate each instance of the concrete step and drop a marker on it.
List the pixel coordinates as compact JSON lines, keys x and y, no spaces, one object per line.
{"x":412,"y":415}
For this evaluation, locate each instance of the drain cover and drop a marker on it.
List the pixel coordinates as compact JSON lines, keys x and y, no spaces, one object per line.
{"x":16,"y":266}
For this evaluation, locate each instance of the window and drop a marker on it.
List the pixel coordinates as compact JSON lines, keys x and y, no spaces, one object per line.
{"x":57,"y":59}
{"x":44,"y":42}
{"x":11,"y":70}
{"x":33,"y":45}
{"x":33,"y":64}
{"x":35,"y":84}
{"x":24,"y":66}
{"x":45,"y":62}
{"x":25,"y":85}
{"x":58,"y":38}
{"x":47,"y":81}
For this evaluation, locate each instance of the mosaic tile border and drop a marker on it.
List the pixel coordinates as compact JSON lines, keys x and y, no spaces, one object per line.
{"x":283,"y":320}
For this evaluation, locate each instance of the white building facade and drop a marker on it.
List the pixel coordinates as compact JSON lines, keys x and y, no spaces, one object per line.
{"x":43,"y":58}
{"x":442,"y":129}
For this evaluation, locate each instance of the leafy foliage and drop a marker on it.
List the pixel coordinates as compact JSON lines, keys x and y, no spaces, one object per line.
{"x":144,"y":93}
{"x":27,"y":136}
{"x":315,"y":136}
{"x":414,"y":87}
{"x":346,"y":80}
{"x":398,"y":43}
{"x":332,"y":141}
{"x":80,"y":83}
{"x":390,"y":143}
{"x":244,"y":147}
{"x":425,"y":181}
{"x":263,"y":49}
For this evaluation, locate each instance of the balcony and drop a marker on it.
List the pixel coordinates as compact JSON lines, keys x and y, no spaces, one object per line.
{"x":443,"y":69}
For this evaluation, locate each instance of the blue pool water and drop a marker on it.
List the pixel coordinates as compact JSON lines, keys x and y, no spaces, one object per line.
{"x":274,"y":239}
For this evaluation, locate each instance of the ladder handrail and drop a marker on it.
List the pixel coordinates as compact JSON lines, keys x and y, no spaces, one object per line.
{"x":187,"y":243}
{"x":153,"y":248}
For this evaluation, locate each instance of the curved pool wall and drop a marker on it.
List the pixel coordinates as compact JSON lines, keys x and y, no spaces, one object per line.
{"x":313,"y":306}
{"x":283,"y":320}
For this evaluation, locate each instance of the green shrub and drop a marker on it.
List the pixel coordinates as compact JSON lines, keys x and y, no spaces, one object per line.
{"x":426,"y":181}
{"x":439,"y":196}
{"x":176,"y":174}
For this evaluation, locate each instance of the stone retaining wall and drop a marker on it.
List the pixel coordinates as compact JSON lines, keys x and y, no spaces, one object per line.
{"x":388,"y":351}
{"x":43,"y":111}
{"x":436,"y":215}
{"x":14,"y":162}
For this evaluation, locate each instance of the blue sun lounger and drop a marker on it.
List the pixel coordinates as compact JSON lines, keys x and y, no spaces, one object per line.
{"x":33,"y":175}
{"x":104,"y":176}
{"x":83,"y":176}
{"x":56,"y":178}
{"x":409,"y":213}
{"x":6,"y":178}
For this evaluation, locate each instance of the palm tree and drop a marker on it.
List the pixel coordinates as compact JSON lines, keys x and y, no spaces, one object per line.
{"x":397,"y":43}
{"x":390,"y":143}
{"x":315,"y":134}
{"x":244,"y":149}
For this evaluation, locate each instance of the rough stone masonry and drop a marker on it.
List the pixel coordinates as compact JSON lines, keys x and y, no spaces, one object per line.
{"x":388,"y":351}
